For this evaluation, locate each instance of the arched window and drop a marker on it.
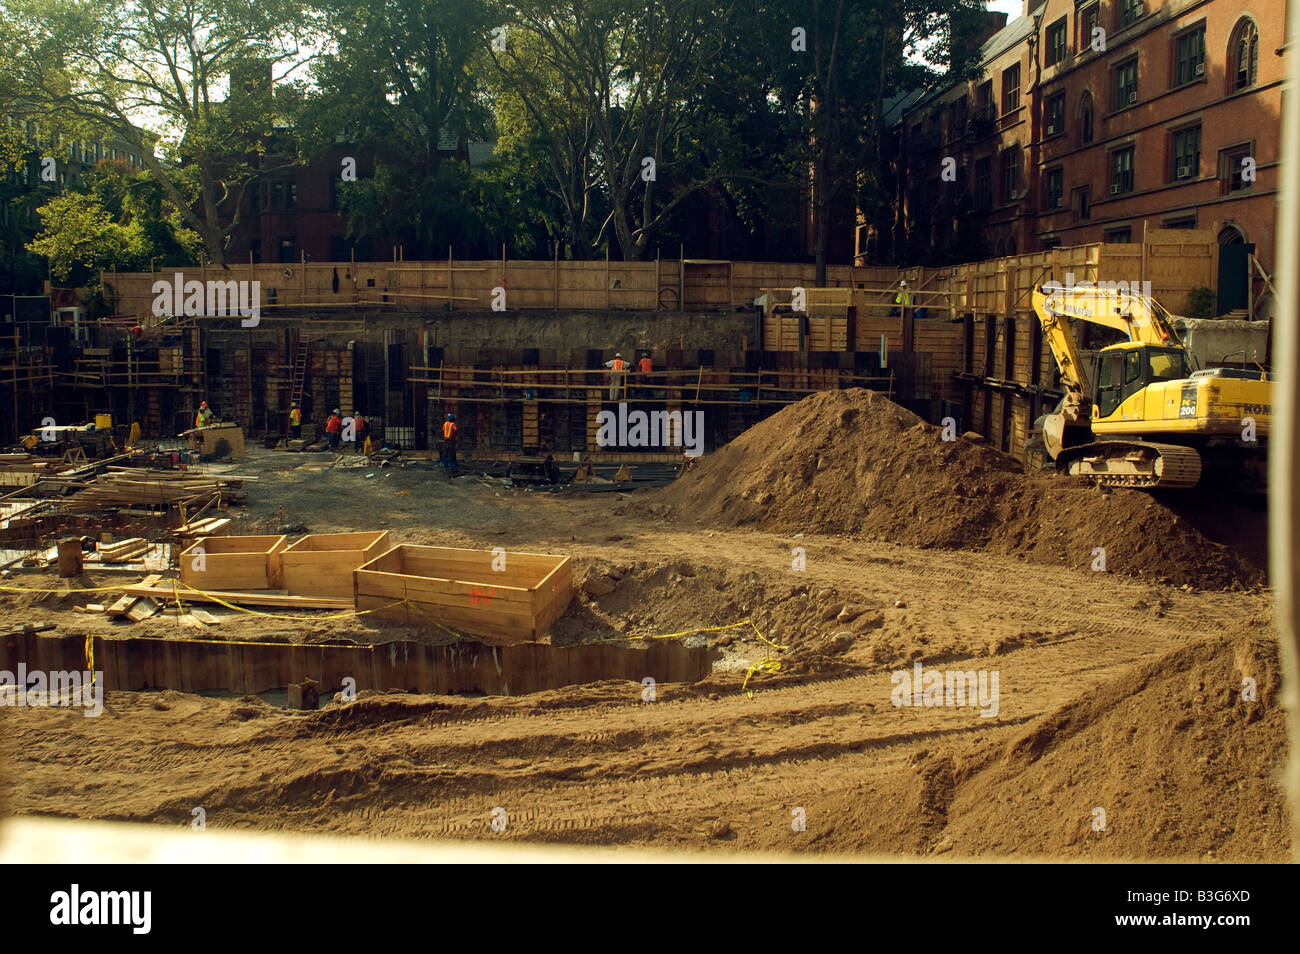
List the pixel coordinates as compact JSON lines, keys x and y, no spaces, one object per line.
{"x":1243,"y":56}
{"x":1085,"y":117}
{"x":1231,"y":235}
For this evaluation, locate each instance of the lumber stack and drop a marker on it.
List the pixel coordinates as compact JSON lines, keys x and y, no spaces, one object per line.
{"x":123,"y":550}
{"x":163,"y":489}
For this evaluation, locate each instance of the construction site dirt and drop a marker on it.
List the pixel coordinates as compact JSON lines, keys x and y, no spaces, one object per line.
{"x":853,"y":551}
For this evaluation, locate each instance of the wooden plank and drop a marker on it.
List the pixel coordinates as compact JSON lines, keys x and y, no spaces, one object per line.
{"x":263,"y":598}
{"x":204,"y":617}
{"x":120,"y":607}
{"x":142,"y":610}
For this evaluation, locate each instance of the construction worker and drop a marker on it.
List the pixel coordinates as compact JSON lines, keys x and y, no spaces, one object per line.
{"x":360,"y":429}
{"x":333,"y":427}
{"x":295,"y":420}
{"x":618,"y":379}
{"x":903,"y":299}
{"x":449,"y":432}
{"x":205,"y":415}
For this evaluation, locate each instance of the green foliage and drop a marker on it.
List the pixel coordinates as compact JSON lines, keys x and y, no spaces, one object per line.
{"x":1202,"y":302}
{"x":122,"y":221}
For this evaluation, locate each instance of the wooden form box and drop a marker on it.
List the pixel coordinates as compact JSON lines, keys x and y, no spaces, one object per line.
{"x":458,"y":589}
{"x":322,"y":564}
{"x":234,"y":563}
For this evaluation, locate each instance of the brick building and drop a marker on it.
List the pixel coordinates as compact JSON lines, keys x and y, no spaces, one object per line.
{"x":1092,"y":120}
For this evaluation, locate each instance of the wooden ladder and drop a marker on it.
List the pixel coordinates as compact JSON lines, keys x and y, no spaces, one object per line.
{"x":299,"y":371}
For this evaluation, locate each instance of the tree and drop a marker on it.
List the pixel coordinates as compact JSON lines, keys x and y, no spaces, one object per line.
{"x":619,"y":76}
{"x":112,"y":62}
{"x":120,"y":221}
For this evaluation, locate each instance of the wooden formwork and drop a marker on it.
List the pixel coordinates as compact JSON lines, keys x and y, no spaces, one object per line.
{"x":323,"y":564}
{"x":234,"y":563}
{"x":512,"y":596}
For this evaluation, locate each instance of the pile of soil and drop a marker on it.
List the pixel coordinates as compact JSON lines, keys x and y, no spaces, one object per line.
{"x":853,"y":462}
{"x":1166,"y":761}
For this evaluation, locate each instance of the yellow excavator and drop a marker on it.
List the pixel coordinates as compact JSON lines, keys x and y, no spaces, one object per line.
{"x":1153,"y":420}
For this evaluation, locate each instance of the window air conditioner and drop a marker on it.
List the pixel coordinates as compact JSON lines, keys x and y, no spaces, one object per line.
{"x":1114,"y":189}
{"x":1051,"y":129}
{"x":1132,"y":97}
{"x":1199,"y":70}
{"x":1182,"y":171}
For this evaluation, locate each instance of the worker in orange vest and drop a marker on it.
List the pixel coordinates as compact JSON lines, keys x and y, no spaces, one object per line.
{"x":333,"y":427}
{"x":360,"y":429}
{"x":295,"y":420}
{"x":449,"y":432}
{"x":618,"y":379}
{"x":645,"y":365}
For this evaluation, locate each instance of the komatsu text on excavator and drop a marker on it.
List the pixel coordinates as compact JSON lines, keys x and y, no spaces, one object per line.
{"x":1153,"y":420}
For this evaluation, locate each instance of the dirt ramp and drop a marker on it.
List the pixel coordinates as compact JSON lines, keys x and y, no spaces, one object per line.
{"x":853,"y":462}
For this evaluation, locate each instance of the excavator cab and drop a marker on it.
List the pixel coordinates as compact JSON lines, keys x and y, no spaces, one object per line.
{"x":1124,"y":370}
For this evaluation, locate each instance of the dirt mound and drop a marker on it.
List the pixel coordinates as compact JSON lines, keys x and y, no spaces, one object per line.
{"x":853,"y":462}
{"x":1165,"y":761}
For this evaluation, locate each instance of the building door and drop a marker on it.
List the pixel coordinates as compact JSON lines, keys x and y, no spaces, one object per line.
{"x":1234,"y":274}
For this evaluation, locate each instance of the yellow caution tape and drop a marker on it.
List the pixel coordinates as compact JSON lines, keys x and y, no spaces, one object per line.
{"x":770,"y":664}
{"x":714,"y":629}
{"x":252,"y":612}
{"x":86,"y":589}
{"x":767,"y":664}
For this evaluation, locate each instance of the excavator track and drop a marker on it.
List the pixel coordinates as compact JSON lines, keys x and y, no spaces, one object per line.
{"x":1141,"y":465}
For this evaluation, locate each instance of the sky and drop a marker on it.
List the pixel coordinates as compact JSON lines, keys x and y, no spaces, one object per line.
{"x":1011,"y":8}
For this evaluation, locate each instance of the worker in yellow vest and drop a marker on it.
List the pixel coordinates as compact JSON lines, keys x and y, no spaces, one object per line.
{"x":205,"y":415}
{"x":295,"y":420}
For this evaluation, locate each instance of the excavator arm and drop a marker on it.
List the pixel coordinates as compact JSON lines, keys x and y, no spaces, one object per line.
{"x":1060,"y":339}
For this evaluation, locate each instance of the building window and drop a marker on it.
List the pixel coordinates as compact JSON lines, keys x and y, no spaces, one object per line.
{"x":1121,"y":171}
{"x":1085,"y":117}
{"x":1232,"y":166}
{"x":1056,"y":115}
{"x":288,"y":252}
{"x":1080,"y":202}
{"x":959,"y":118}
{"x":1056,"y":42}
{"x":255,"y":250}
{"x":1120,"y":236}
{"x":1186,"y":154}
{"x":290,"y":195}
{"x":277,"y":196}
{"x":1010,"y":89}
{"x":1186,"y":222}
{"x":1010,"y":174}
{"x":984,"y":183}
{"x":1243,"y":56}
{"x":984,"y":101}
{"x":255,"y":198}
{"x":1126,"y":84}
{"x":1054,"y":189}
{"x":1130,"y":11}
{"x":1189,"y":56}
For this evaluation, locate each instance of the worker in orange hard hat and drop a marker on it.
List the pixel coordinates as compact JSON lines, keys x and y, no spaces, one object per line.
{"x":205,"y":415}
